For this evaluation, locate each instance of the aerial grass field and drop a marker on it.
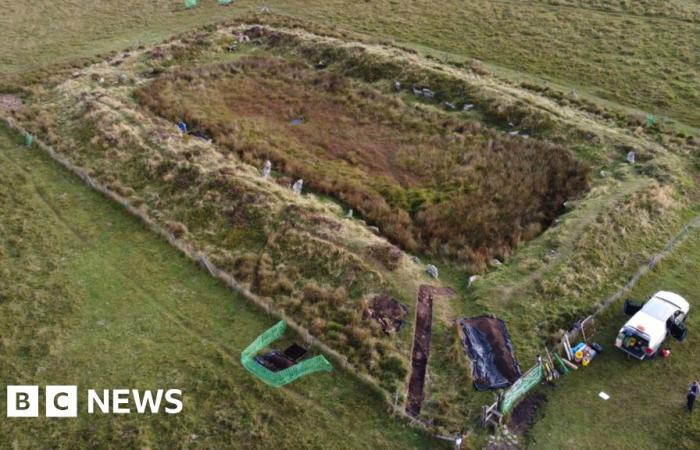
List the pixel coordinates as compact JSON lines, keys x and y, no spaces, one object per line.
{"x":99,"y":301}
{"x":639,"y":54}
{"x":573,"y":163}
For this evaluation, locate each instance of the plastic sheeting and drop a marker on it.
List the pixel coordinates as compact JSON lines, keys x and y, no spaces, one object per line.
{"x":487,"y":343}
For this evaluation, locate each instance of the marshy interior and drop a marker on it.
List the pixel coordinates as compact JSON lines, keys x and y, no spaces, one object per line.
{"x":433,"y":180}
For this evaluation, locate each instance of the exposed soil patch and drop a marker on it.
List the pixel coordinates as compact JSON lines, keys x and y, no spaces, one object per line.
{"x":524,"y":415}
{"x":10,"y":103}
{"x":487,"y":343}
{"x":388,"y":312}
{"x":421,"y":345}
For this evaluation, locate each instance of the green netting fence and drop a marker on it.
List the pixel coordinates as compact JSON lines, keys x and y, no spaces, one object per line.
{"x":520,"y":388}
{"x":190,"y":4}
{"x":286,"y":376}
{"x":225,"y":2}
{"x":28,"y":139}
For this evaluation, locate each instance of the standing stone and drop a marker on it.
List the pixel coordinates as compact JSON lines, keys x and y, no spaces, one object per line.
{"x":432,"y":270}
{"x":266,"y":169}
{"x":297,"y":186}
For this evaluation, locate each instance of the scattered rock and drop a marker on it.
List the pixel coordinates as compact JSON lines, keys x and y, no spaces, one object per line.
{"x":495,"y":262}
{"x":415,"y":259}
{"x":266,"y":169}
{"x":182,"y":126}
{"x":374,"y":229}
{"x":102,"y":323}
{"x":472,"y":279}
{"x":432,"y":270}
{"x":123,"y":78}
{"x":467,"y":107}
{"x":551,"y":255}
{"x":451,"y":106}
{"x":349,"y":214}
{"x":603,"y":174}
{"x":297,"y":186}
{"x":631,"y":157}
{"x":397,"y":86}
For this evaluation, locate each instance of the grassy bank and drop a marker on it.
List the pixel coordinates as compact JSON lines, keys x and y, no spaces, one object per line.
{"x":90,"y":297}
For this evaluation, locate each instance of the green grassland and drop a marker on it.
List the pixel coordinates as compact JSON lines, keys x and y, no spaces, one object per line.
{"x":639,"y":54}
{"x":97,"y":300}
{"x":312,"y":264}
{"x":646,"y":408}
{"x":111,"y":303}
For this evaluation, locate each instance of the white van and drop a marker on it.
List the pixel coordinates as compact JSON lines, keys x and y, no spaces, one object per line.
{"x":663,"y":314}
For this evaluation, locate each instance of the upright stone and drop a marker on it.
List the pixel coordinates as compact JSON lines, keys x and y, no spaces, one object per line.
{"x":297,"y":186}
{"x":266,"y":169}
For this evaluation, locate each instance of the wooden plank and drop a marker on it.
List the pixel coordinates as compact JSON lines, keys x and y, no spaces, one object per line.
{"x":570,"y":364}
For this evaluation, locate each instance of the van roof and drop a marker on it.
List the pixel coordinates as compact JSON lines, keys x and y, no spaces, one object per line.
{"x":675,"y":299}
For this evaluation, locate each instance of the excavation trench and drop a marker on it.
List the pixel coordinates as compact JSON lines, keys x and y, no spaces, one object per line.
{"x":421,"y":345}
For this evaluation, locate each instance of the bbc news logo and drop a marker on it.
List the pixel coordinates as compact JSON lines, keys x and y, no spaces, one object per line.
{"x":62,"y":401}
